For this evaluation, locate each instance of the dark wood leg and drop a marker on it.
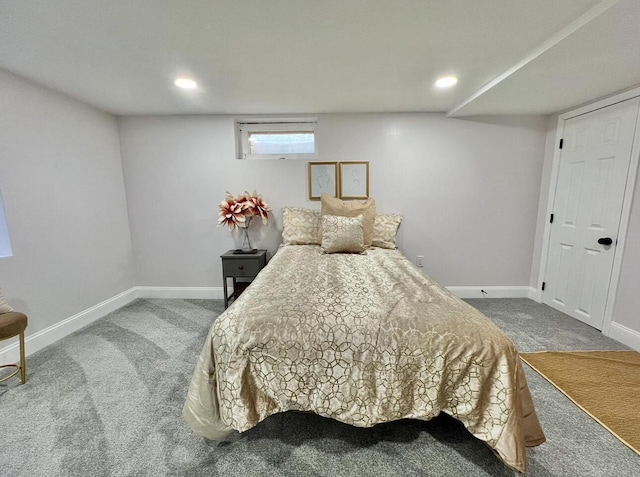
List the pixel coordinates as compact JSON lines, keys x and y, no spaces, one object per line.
{"x":224,"y":289}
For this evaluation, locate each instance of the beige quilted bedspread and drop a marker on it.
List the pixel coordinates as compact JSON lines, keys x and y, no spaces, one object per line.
{"x":362,"y":339}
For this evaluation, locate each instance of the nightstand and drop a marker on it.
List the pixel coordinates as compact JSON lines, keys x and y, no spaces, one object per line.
{"x":246,"y":266}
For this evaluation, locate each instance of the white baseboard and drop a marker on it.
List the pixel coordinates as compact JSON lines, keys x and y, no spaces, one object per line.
{"x":535,"y":294}
{"x":216,"y":293}
{"x":624,"y":335}
{"x":492,"y":292}
{"x":194,"y":293}
{"x":43,"y":338}
{"x":53,"y":333}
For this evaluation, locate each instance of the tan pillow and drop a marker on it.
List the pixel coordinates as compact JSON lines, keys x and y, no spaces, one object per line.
{"x":342,"y":234}
{"x":4,"y":306}
{"x":300,"y":226}
{"x":385,"y":228}
{"x":334,"y":206}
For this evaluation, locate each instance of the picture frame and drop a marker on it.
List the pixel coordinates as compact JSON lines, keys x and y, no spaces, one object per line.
{"x":322,"y":178}
{"x":354,"y":180}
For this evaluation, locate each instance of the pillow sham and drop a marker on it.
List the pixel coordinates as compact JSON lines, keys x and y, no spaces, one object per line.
{"x":300,"y":226}
{"x":385,"y":228}
{"x":334,"y":206}
{"x":342,"y":234}
{"x":4,"y":306}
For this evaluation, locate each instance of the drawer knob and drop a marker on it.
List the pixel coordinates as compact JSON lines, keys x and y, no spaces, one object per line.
{"x":241,"y":267}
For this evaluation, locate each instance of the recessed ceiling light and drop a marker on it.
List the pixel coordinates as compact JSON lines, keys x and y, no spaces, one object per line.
{"x":185,"y":83}
{"x":446,"y":82}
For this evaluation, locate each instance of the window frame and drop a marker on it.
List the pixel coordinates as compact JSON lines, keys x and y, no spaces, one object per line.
{"x":248,"y":126}
{"x":5,"y":239}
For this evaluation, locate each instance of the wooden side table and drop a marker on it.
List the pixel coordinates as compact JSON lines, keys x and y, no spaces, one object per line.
{"x":240,"y":266}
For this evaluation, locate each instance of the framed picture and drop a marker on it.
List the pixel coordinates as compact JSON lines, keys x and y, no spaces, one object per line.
{"x":354,"y":180}
{"x":323,"y":177}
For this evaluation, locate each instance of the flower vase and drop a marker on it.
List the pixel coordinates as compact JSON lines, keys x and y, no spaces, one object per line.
{"x":246,"y":244}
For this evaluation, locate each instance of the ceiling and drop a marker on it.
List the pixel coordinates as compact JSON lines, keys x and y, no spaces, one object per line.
{"x":303,"y":56}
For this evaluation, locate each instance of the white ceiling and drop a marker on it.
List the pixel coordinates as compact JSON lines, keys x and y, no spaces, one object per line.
{"x":304,"y":56}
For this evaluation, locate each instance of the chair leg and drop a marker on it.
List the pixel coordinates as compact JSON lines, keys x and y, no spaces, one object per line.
{"x":23,"y":361}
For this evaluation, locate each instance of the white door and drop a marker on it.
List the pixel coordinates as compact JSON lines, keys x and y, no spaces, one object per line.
{"x":594,"y":164}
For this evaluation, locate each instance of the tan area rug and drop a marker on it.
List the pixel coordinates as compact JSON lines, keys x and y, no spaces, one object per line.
{"x":604,"y":384}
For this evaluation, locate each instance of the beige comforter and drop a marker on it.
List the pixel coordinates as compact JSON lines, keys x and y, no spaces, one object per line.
{"x":362,"y":339}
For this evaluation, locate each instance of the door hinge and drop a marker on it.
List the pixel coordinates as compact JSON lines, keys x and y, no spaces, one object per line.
{"x":561,"y":143}
{"x":543,"y":285}
{"x":551,"y":219}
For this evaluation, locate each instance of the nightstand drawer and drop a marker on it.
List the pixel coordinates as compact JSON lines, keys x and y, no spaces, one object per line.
{"x":241,"y":267}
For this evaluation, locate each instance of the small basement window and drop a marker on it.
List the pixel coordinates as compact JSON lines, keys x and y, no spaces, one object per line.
{"x":266,"y":139}
{"x":5,"y":243}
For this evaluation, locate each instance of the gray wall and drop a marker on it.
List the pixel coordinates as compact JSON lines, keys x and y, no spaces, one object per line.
{"x":468,"y":190}
{"x":61,"y":181}
{"x":5,"y":240}
{"x":550,"y":144}
{"x":627,"y":305}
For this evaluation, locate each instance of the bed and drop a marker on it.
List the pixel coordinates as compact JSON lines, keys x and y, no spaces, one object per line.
{"x":363,"y":339}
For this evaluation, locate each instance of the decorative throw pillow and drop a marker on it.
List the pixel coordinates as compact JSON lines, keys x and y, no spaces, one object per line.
{"x":385,"y":228}
{"x":4,"y":306}
{"x":300,"y":226}
{"x":334,"y":206}
{"x":342,"y":234}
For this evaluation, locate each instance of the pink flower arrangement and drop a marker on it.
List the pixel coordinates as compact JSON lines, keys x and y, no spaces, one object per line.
{"x":238,"y":211}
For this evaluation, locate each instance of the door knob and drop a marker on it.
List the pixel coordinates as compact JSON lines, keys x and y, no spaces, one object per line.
{"x":605,"y":241}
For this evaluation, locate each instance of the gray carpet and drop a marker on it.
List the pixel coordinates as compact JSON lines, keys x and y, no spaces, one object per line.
{"x":107,"y":400}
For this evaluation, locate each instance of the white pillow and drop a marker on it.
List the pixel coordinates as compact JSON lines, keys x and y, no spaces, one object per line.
{"x":4,"y":306}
